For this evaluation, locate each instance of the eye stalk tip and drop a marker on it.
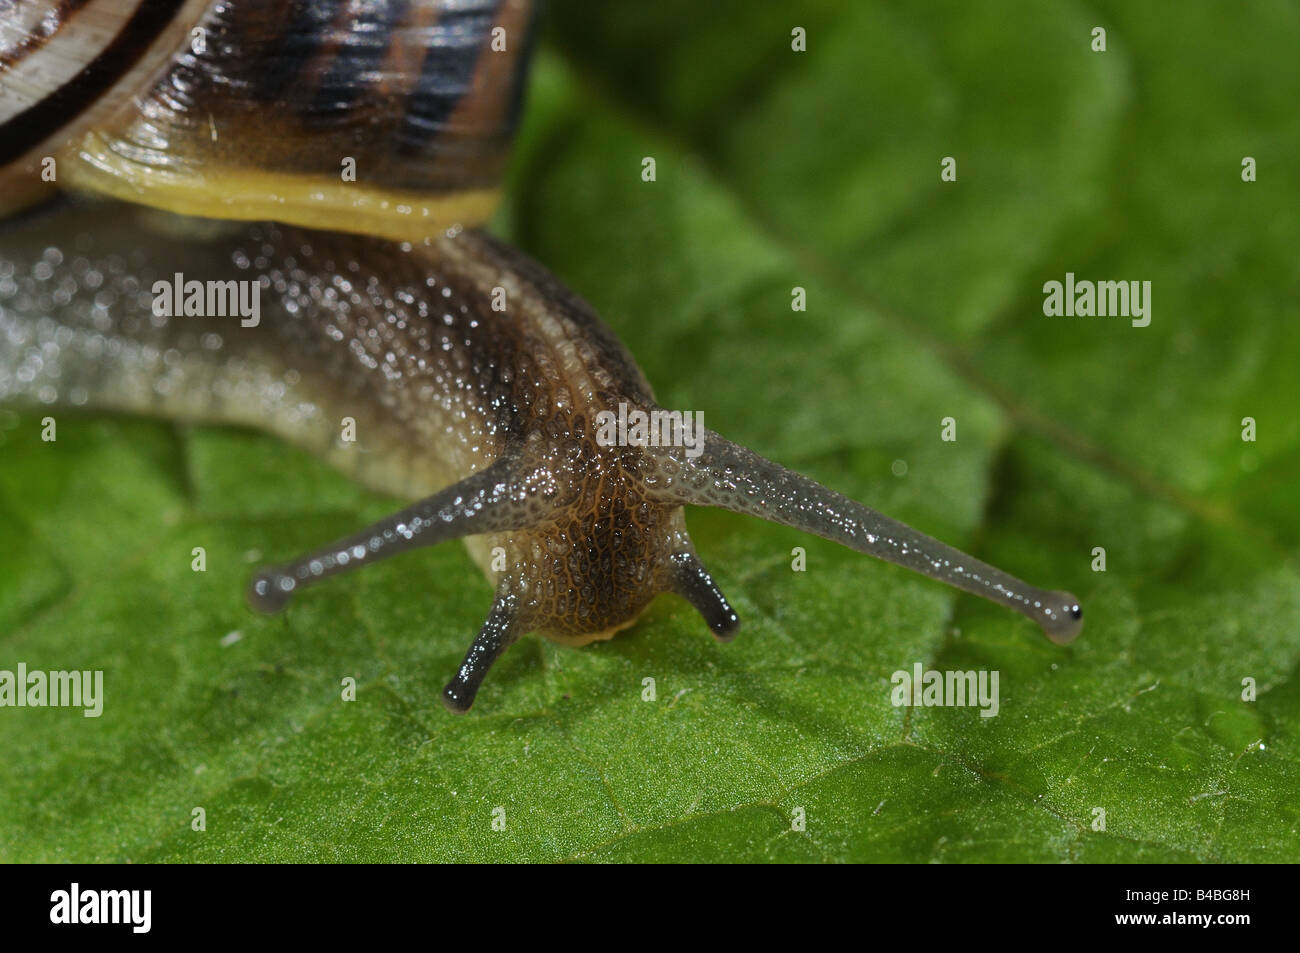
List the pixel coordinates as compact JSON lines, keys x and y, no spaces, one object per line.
{"x":1062,"y":617}
{"x":270,"y":591}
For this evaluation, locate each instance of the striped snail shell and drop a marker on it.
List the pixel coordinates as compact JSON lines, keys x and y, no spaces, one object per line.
{"x":388,"y":117}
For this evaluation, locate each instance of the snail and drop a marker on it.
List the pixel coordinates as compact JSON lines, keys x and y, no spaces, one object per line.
{"x":480,"y":384}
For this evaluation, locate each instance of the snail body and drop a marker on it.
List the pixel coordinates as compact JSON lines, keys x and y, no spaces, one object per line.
{"x":475,"y":376}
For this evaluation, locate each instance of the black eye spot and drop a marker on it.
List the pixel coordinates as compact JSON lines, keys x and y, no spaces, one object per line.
{"x":1076,"y":612}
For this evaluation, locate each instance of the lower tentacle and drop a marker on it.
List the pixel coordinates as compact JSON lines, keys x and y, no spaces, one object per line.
{"x":500,"y":630}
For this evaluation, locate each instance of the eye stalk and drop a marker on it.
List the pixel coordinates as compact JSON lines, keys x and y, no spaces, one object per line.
{"x":735,"y":478}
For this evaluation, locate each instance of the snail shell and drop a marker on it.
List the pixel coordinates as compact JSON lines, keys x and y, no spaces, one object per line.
{"x":389,"y":118}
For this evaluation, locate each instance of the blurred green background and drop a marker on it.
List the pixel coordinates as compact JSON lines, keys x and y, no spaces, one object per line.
{"x":775,"y":169}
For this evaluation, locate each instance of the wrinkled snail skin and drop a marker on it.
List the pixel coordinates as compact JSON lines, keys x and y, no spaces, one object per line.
{"x":474,"y":378}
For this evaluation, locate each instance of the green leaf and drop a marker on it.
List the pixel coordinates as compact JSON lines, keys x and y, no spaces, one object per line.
{"x":775,"y":169}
